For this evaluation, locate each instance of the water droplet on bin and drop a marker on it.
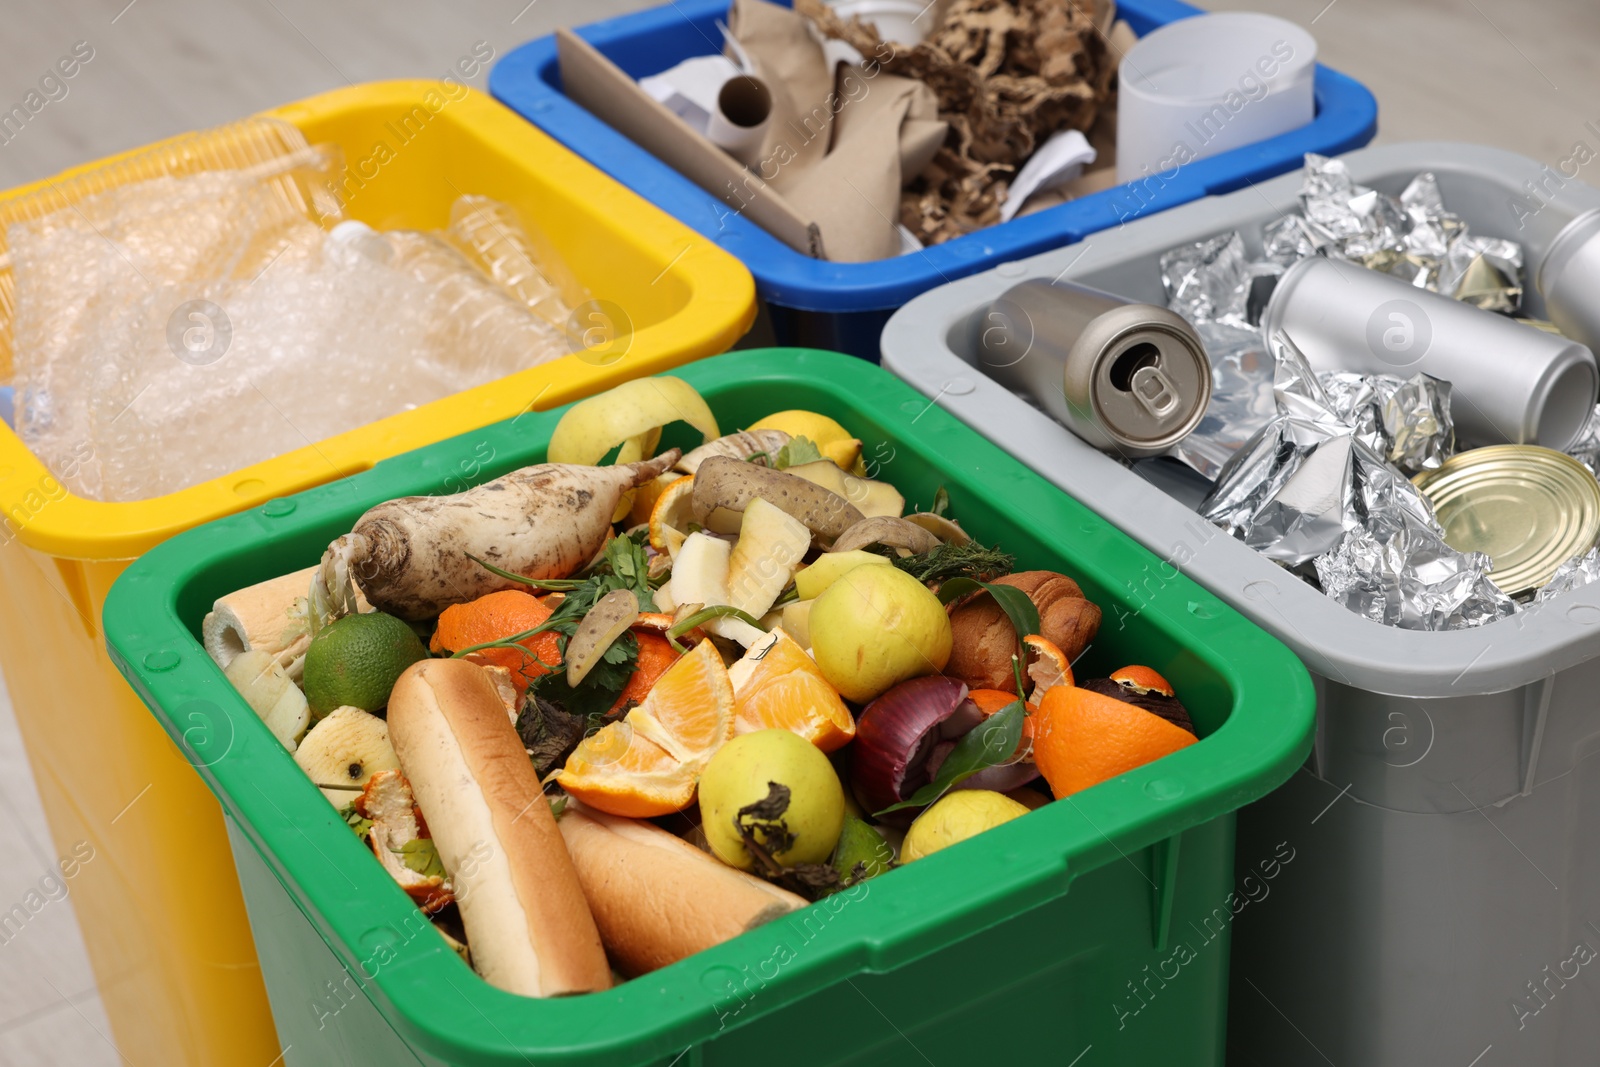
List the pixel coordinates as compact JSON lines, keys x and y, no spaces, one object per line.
{"x":1164,"y":789}
{"x":164,"y":660}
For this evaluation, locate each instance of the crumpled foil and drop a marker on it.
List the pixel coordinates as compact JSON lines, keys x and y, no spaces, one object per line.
{"x":1575,"y":573}
{"x":1585,"y":448}
{"x":1307,"y":489}
{"x":1403,"y":574}
{"x":1405,"y":420}
{"x":1209,"y":281}
{"x":1413,"y":237}
{"x":1241,"y":397}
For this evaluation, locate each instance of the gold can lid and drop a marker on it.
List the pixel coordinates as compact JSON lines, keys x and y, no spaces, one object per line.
{"x":1530,"y":509}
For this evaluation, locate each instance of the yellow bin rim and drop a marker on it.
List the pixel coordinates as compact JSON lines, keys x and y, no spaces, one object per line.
{"x":37,"y":509}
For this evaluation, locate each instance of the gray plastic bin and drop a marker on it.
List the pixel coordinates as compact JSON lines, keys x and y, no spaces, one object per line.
{"x":1443,"y":903}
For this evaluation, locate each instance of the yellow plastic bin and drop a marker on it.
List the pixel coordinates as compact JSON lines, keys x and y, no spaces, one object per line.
{"x":158,"y":899}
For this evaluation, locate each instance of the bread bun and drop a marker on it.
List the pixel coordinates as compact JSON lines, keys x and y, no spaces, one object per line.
{"x":657,"y":898}
{"x":527,"y":924}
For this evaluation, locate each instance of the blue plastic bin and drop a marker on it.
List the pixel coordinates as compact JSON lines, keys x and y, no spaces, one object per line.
{"x":844,"y":306}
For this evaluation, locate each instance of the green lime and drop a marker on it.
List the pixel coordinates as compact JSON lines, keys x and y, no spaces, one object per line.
{"x":356,"y":661}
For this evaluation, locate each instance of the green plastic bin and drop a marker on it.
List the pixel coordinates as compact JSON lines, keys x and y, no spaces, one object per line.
{"x":1094,"y":930}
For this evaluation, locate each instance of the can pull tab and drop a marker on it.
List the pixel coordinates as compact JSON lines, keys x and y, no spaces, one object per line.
{"x":1154,"y":391}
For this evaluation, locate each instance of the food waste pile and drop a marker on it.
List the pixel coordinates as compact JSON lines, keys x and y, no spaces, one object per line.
{"x":730,"y":681}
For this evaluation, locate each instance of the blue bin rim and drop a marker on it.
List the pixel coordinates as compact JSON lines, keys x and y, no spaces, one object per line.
{"x":1346,"y":118}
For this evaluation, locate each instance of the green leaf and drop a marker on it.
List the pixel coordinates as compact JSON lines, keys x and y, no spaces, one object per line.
{"x":1022,"y":612}
{"x":422,"y":857}
{"x":799,"y":450}
{"x":941,"y":502}
{"x":600,"y":689}
{"x":988,"y":744}
{"x":355,"y":820}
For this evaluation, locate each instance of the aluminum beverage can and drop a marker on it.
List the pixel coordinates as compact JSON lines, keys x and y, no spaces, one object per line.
{"x":1511,"y":383}
{"x":1131,"y":379}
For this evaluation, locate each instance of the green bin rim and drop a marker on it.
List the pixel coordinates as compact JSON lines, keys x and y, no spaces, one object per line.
{"x":436,"y":1002}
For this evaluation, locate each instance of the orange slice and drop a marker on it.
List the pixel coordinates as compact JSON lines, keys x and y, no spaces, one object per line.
{"x":1082,"y":738}
{"x":615,"y":770}
{"x":689,"y":711}
{"x":671,"y":515}
{"x":650,"y":763}
{"x":784,"y":689}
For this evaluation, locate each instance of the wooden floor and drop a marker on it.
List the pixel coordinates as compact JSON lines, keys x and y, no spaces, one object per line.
{"x":1519,"y":76}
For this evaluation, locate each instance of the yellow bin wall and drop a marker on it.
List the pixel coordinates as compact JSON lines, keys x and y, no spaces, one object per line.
{"x":159,"y":901}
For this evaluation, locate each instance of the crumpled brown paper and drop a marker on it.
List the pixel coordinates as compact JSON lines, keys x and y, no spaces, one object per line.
{"x":1008,"y":74}
{"x":841,"y":140}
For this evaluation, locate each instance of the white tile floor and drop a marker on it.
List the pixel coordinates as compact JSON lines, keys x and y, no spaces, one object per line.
{"x":1518,"y":76}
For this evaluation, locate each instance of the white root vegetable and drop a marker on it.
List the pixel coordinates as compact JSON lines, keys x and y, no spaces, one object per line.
{"x":410,"y":556}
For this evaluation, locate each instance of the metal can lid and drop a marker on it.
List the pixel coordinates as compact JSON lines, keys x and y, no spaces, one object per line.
{"x":1141,"y":374}
{"x":1529,"y":508}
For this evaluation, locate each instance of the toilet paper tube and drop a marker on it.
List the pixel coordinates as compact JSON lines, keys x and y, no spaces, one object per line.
{"x":739,"y":124}
{"x":1512,"y":384}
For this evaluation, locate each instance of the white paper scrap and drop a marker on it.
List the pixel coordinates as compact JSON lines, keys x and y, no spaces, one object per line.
{"x":1056,"y":162}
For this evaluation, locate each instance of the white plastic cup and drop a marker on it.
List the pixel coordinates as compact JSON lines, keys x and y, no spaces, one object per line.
{"x":1204,"y":85}
{"x":897,"y":21}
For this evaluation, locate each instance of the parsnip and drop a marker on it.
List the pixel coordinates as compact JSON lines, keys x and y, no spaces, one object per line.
{"x":410,"y":556}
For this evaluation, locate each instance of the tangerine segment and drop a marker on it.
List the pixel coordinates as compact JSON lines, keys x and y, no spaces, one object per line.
{"x":618,"y":771}
{"x":689,"y":710}
{"x":1082,"y":738}
{"x":784,"y":689}
{"x":494,"y":617}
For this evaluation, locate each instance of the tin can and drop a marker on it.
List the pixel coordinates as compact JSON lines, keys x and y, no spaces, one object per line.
{"x":1568,"y":277}
{"x":1530,"y":509}
{"x":1510,"y":383}
{"x":1130,"y":379}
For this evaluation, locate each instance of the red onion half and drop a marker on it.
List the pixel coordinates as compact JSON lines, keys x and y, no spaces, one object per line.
{"x":905,"y":734}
